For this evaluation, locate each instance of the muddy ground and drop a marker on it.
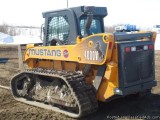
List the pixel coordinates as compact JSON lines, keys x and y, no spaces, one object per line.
{"x":124,"y":108}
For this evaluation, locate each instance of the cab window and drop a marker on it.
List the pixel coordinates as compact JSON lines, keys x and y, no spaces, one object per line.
{"x":58,"y":28}
{"x":94,"y":29}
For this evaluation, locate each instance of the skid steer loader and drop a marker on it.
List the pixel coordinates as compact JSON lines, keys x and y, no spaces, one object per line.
{"x":79,"y":64}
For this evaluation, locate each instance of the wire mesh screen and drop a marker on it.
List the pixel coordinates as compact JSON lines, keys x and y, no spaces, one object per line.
{"x":58,"y":27}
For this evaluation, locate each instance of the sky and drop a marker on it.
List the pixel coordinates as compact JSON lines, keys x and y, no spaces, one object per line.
{"x":29,"y":12}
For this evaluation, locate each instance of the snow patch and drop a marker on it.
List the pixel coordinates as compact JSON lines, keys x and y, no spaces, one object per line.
{"x":26,"y":39}
{"x":157,"y":43}
{"x":21,"y":39}
{"x":4,"y":38}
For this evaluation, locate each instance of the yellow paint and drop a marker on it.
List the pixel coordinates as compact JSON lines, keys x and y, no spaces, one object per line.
{"x":110,"y":80}
{"x":69,"y":66}
{"x":45,"y":64}
{"x":76,"y":52}
{"x":154,"y":36}
{"x":31,"y":63}
{"x":90,"y":44}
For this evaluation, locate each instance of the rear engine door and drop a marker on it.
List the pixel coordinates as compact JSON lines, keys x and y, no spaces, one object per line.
{"x":136,"y":63}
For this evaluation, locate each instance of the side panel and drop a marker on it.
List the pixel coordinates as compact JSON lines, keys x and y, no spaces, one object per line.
{"x":95,"y":49}
{"x":110,"y":80}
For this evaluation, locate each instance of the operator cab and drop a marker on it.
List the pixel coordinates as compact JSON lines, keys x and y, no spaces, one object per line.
{"x":64,"y":26}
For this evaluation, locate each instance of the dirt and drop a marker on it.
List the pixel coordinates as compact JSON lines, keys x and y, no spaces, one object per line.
{"x":13,"y":110}
{"x":127,"y":108}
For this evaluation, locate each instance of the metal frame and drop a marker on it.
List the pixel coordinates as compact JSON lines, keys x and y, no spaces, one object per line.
{"x":123,"y":36}
{"x":71,"y":20}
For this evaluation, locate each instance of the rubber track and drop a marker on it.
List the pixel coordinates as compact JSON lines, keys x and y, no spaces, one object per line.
{"x":82,"y":92}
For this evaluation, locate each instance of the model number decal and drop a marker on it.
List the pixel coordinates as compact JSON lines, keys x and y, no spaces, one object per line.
{"x":45,"y":52}
{"x":91,"y":55}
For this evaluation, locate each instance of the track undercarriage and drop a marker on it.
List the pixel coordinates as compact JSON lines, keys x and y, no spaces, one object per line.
{"x":61,"y":91}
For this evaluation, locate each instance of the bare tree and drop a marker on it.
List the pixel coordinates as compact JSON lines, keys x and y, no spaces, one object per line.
{"x":5,"y":28}
{"x":12,"y":31}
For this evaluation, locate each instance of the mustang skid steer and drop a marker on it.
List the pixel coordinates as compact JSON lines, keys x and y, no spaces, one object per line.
{"x":78,"y":64}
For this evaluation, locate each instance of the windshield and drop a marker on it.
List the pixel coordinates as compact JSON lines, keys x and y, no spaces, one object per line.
{"x":94,"y":29}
